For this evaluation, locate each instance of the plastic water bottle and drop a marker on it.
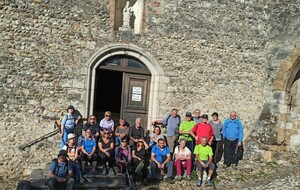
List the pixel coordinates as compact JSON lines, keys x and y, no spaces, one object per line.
{"x":204,"y":175}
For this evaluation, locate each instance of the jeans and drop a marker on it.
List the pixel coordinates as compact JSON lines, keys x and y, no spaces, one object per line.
{"x":169,"y":166}
{"x":52,"y":183}
{"x":77,"y":171}
{"x":64,"y":139}
{"x":181,"y":164}
{"x":230,"y":156}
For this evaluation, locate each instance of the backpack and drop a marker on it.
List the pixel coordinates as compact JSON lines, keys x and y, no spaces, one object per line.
{"x":176,"y":129}
{"x":56,"y":166}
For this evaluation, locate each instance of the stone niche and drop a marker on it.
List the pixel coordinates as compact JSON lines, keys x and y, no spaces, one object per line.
{"x":127,"y":15}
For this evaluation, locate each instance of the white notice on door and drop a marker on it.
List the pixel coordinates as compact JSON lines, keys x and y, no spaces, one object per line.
{"x":136,"y":90}
{"x":136,"y":97}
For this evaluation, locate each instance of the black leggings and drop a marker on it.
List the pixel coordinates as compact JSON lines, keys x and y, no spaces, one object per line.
{"x":104,"y":158}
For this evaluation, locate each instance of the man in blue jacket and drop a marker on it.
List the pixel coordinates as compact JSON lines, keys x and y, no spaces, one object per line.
{"x":233,"y":137}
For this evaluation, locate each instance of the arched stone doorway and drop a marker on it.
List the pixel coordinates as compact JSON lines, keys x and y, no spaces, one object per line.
{"x":150,"y":75}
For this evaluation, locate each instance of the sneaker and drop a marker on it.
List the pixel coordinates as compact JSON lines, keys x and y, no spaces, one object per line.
{"x":208,"y":182}
{"x":199,"y":182}
{"x":177,"y":178}
{"x":104,"y":171}
{"x":165,"y":177}
{"x":169,"y":180}
{"x":188,"y":177}
{"x":81,"y":181}
{"x":112,"y":172}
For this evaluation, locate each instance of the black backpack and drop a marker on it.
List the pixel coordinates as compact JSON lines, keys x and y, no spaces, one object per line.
{"x":56,"y":166}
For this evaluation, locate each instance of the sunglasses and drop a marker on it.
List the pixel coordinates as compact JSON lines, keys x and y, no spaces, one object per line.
{"x":106,"y":133}
{"x":92,"y":118}
{"x":107,"y":115}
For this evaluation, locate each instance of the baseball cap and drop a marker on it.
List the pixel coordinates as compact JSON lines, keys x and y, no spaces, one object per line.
{"x":62,"y":153}
{"x":188,"y":114}
{"x":204,"y":116}
{"x":71,"y":136}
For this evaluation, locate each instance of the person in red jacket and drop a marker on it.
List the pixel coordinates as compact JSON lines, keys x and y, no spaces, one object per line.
{"x":203,"y":129}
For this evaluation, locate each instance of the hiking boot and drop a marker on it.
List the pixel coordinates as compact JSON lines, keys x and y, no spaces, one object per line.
{"x":199,"y":183}
{"x":112,"y":172}
{"x":169,"y":180}
{"x":104,"y":171}
{"x":188,"y":177}
{"x":208,"y":182}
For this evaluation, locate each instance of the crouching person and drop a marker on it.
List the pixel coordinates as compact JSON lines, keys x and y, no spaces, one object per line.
{"x":72,"y":152}
{"x":161,"y":159}
{"x":204,"y":161}
{"x":61,"y":172}
{"x":123,"y":156}
{"x":183,"y":160}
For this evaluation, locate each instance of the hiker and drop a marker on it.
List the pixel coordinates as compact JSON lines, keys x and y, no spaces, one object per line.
{"x":136,"y":132}
{"x":72,"y":151}
{"x":93,"y":125}
{"x":185,"y":130}
{"x":204,"y":161}
{"x":217,"y":144}
{"x":203,"y":129}
{"x":123,"y":156}
{"x":233,"y":137}
{"x":61,"y":172}
{"x":183,"y":160}
{"x":197,"y":118}
{"x":107,"y":123}
{"x":106,"y":151}
{"x":154,"y":136}
{"x":88,"y":148}
{"x":172,"y":122}
{"x":122,"y":131}
{"x":68,"y":123}
{"x":139,"y":154}
{"x":161,"y":159}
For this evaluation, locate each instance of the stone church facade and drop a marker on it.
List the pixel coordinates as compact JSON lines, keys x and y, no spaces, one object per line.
{"x":241,"y":55}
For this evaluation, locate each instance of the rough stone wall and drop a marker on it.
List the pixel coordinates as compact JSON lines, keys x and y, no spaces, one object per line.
{"x":219,"y":56}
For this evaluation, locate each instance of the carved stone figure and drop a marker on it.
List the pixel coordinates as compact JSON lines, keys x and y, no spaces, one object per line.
{"x":127,"y":13}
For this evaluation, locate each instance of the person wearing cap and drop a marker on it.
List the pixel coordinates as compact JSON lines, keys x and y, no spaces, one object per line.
{"x":72,"y":152}
{"x":185,"y":130}
{"x":217,"y":144}
{"x":197,"y":116}
{"x":203,"y":129}
{"x":172,"y":121}
{"x":61,"y":172}
{"x":233,"y":137}
{"x":68,"y":123}
{"x":161,"y":159}
{"x":88,"y":148}
{"x":123,"y":156}
{"x":183,"y":159}
{"x":204,"y":160}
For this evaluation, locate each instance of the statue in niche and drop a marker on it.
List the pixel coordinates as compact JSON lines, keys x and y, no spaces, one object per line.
{"x":127,"y":13}
{"x":137,"y":11}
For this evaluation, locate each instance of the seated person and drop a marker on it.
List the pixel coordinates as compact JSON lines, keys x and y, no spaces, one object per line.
{"x":107,"y":123}
{"x":123,"y":156}
{"x":106,"y":150}
{"x":122,"y":131}
{"x":183,"y":159}
{"x":161,"y":159}
{"x":88,"y":148}
{"x":136,"y":132}
{"x":204,"y":158}
{"x":93,"y":125}
{"x":139,"y":159}
{"x":154,"y":136}
{"x":72,"y":152}
{"x":61,"y":172}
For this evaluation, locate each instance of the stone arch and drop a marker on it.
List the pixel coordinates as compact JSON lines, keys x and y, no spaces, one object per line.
{"x":287,"y":72}
{"x":158,"y":83}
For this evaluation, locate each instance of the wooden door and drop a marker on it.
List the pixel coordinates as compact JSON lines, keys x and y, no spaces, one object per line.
{"x":135,"y":98}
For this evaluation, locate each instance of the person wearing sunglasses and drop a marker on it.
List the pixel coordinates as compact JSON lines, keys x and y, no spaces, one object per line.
{"x":107,"y":123}
{"x":106,"y":148}
{"x":88,"y":149}
{"x":93,"y":125}
{"x":139,"y":160}
{"x":121,"y":132}
{"x":123,"y":156}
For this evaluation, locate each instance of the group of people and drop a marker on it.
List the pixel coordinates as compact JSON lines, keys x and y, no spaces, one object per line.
{"x":192,"y":142}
